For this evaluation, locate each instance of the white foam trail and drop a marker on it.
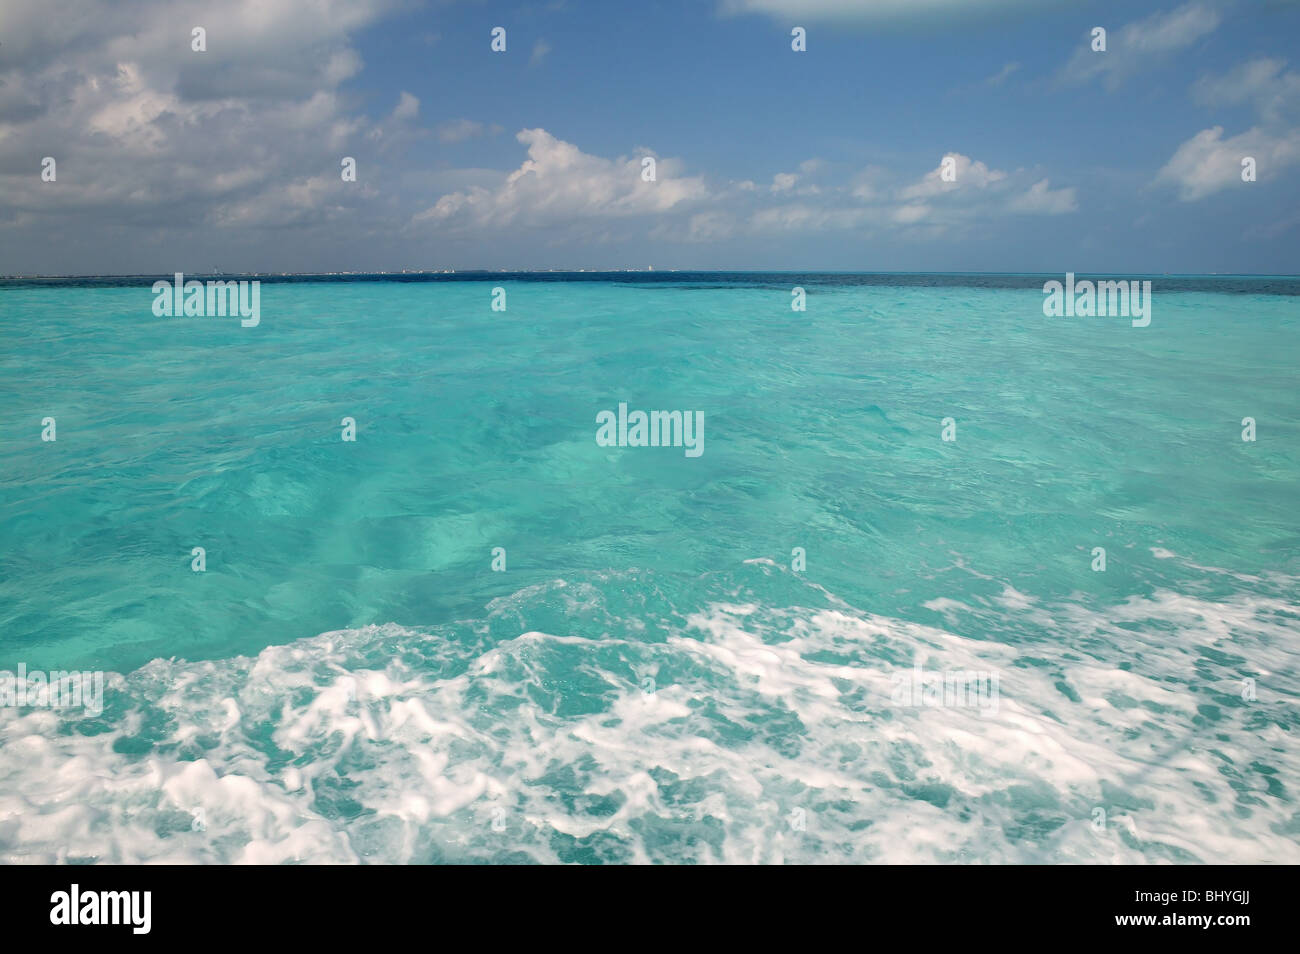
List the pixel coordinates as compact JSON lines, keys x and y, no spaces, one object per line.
{"x":770,"y":737}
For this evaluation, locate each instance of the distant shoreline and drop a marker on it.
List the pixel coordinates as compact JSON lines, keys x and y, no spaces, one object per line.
{"x":479,"y":274}
{"x":1288,"y":285}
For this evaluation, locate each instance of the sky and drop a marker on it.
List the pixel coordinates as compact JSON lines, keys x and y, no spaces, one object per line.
{"x":1059,"y":157}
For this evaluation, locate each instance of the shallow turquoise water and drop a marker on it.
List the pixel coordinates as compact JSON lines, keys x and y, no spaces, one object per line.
{"x":349,"y":679}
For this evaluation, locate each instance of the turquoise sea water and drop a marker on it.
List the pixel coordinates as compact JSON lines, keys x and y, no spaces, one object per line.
{"x":651,"y":678}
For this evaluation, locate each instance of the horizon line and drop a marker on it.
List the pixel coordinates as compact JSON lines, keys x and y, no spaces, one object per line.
{"x":618,"y":271}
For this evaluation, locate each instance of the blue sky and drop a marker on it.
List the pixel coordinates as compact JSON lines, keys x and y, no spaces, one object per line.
{"x":1065,"y":158}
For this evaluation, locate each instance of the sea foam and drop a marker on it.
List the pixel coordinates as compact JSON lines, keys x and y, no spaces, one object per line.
{"x":767,"y":735}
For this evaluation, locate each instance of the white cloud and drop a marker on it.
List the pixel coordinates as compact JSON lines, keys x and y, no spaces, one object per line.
{"x":558,"y":184}
{"x":708,"y":227}
{"x":171,"y":139}
{"x":459,"y":130}
{"x":784,"y":181}
{"x":802,"y":217}
{"x":569,"y":193}
{"x":1207,"y":162}
{"x":1002,"y":75}
{"x":801,"y":182}
{"x":1041,"y":200}
{"x":926,"y":208}
{"x":1165,"y":32}
{"x":868,"y":184}
{"x":911,"y":214}
{"x":1141,"y":44}
{"x":968,"y":173}
{"x":977,"y":192}
{"x":1260,"y":83}
{"x":540,"y":49}
{"x":408,"y":106}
